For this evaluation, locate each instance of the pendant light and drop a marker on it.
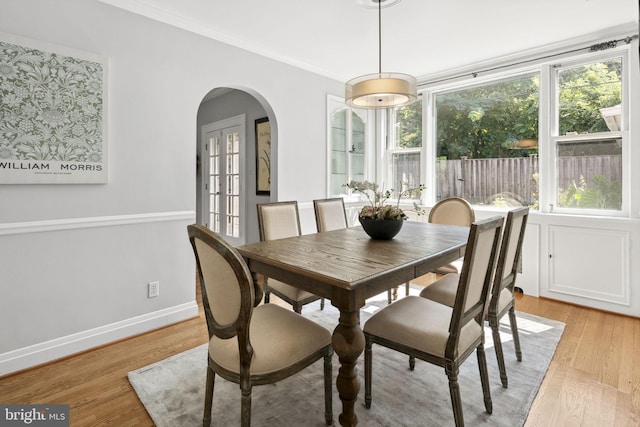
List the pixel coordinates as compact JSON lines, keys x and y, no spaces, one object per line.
{"x":381,"y":90}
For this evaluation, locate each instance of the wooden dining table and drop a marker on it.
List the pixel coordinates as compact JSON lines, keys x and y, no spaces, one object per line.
{"x":347,"y":267}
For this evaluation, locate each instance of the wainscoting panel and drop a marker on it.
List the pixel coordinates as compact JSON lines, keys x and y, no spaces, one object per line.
{"x":590,"y":263}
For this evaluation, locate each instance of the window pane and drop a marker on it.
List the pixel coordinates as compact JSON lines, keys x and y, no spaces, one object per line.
{"x":487,"y":143}
{"x":590,"y":97}
{"x":405,"y":171}
{"x":590,"y":174}
{"x":408,"y":126}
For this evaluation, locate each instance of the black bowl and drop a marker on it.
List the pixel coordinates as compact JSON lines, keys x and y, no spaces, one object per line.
{"x":381,"y":229}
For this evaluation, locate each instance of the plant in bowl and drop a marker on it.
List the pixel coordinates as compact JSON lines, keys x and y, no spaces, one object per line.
{"x":380,"y":219}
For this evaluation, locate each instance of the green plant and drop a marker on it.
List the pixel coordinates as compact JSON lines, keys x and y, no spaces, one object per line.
{"x":602,"y":194}
{"x":378,"y":207}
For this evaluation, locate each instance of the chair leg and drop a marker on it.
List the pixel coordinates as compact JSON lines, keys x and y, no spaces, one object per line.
{"x":412,"y":363}
{"x":245,"y":409}
{"x":484,"y":379}
{"x":389,"y":297}
{"x":328,"y":392}
{"x":497,"y":344}
{"x":407,"y":286}
{"x":208,"y":396}
{"x":454,"y":391}
{"x":368,"y":360}
{"x":514,"y":332}
{"x":321,"y":303}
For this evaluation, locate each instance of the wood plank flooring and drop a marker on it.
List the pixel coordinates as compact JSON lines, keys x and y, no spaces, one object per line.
{"x":593,"y":379}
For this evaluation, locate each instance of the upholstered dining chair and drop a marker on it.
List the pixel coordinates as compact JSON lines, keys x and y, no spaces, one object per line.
{"x":278,"y":220}
{"x":439,"y":334}
{"x":331,"y":215}
{"x":241,"y":337}
{"x":502,"y":301}
{"x":452,"y":211}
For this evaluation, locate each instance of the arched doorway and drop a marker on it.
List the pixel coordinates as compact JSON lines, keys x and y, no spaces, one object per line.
{"x":227,"y":162}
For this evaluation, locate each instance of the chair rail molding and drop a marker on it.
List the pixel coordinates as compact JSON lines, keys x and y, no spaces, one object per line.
{"x":92,"y":222}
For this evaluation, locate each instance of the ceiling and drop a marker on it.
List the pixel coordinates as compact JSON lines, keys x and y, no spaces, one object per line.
{"x":339,"y":38}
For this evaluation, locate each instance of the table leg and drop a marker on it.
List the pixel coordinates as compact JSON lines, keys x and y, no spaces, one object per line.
{"x":348,"y":344}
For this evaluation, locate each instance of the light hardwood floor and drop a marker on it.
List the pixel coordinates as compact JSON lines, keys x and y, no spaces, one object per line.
{"x":593,"y":379}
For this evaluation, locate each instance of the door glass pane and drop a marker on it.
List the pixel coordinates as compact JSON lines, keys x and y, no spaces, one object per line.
{"x":214,"y":183}
{"x":358,"y":140}
{"x":347,"y":141}
{"x":487,"y":143}
{"x":338,"y":151}
{"x":232,"y":189}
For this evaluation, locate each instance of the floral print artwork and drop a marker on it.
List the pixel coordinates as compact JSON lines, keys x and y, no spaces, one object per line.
{"x":51,"y":113}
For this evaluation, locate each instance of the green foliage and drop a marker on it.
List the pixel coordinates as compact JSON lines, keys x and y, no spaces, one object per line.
{"x":602,"y":194}
{"x":486,"y":121}
{"x":409,"y":122}
{"x":583,"y":91}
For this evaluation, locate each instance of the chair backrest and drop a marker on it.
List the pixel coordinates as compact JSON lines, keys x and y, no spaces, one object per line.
{"x":278,"y":220}
{"x":452,"y":211}
{"x":510,"y":251}
{"x":475,"y":278}
{"x":226,"y":285}
{"x":330,"y":214}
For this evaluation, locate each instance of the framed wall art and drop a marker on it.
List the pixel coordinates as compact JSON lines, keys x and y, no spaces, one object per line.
{"x":52,"y":114}
{"x":263,"y":156}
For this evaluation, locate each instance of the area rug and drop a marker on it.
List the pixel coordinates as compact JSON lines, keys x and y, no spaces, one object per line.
{"x":172,"y":390}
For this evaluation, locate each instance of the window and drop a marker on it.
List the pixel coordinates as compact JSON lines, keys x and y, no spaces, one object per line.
{"x":404,"y":149}
{"x":587,"y":141}
{"x":486,"y":139}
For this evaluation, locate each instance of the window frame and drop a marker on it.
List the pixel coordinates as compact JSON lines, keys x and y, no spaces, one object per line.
{"x":430,"y":111}
{"x":547,"y":123}
{"x":391,"y":148}
{"x":555,"y":139}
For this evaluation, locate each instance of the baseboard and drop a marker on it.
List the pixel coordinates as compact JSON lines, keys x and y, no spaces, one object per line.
{"x":27,"y":357}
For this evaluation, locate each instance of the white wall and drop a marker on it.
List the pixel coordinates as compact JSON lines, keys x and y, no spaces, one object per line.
{"x":75,"y":259}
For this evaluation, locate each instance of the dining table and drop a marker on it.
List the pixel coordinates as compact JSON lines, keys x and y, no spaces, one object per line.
{"x":346,"y":266}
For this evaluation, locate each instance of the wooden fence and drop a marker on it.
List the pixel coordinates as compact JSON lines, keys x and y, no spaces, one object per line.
{"x":513,"y":181}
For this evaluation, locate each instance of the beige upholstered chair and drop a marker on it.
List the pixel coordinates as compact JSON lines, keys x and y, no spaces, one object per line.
{"x":241,"y":337}
{"x":502,"y":302}
{"x":438,"y":334}
{"x":279,"y":220}
{"x":331,"y":215}
{"x":452,"y":211}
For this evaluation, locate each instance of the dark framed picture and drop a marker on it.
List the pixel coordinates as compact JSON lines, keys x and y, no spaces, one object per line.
{"x":263,"y":156}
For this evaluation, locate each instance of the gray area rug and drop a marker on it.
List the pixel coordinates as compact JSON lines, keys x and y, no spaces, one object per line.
{"x":172,"y":390}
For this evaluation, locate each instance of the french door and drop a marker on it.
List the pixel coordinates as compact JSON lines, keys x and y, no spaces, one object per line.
{"x":223,"y":175}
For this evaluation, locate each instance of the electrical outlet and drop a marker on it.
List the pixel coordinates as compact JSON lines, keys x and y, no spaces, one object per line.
{"x":154,"y":289}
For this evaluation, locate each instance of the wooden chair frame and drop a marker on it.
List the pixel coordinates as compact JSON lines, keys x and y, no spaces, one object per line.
{"x":240,"y":329}
{"x":509,"y":261}
{"x":451,"y":360}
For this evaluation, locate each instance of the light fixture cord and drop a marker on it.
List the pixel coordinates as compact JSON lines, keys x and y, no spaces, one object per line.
{"x":379,"y":38}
